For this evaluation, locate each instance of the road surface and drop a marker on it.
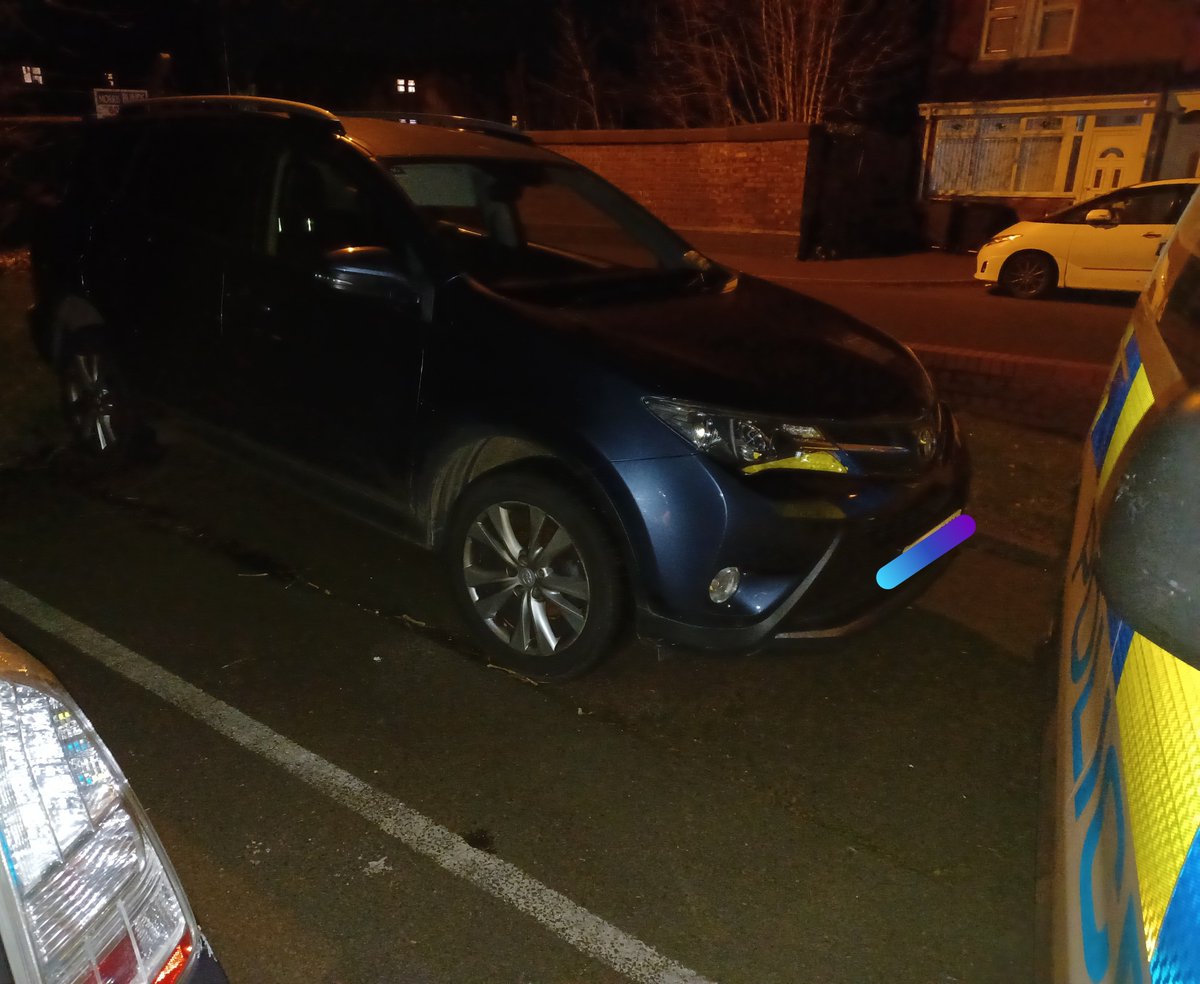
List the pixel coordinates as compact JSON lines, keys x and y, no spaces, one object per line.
{"x":866,"y":813}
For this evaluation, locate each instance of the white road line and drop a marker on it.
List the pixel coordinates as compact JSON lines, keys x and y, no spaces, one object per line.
{"x":572,"y":923}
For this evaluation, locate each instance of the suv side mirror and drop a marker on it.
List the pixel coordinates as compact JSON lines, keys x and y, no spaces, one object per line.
{"x":368,"y":271}
{"x":1101,"y":216}
{"x":1150,"y":537}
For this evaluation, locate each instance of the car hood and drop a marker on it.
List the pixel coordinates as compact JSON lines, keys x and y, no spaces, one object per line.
{"x":757,"y":347}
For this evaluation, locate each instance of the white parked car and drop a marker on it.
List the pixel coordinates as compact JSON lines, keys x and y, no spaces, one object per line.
{"x":1109,"y":243}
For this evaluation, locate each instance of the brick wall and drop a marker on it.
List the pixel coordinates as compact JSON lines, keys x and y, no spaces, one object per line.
{"x":715,"y":185}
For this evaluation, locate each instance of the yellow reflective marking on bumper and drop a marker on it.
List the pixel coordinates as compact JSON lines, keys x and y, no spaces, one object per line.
{"x":1139,"y":400}
{"x":823,"y":461}
{"x":1158,"y":707}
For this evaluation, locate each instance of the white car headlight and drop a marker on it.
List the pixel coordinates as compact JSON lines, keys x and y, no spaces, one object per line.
{"x":997,"y":240}
{"x":95,"y":896}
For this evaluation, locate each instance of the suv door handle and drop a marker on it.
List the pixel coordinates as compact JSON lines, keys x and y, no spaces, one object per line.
{"x":1152,"y":235}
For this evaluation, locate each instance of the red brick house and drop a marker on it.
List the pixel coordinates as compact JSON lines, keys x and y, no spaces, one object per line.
{"x":1040,"y":103}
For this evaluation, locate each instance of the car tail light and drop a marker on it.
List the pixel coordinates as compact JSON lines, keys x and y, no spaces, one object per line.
{"x":93,"y":898}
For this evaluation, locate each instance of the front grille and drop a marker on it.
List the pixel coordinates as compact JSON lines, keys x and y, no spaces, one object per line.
{"x":894,"y":448}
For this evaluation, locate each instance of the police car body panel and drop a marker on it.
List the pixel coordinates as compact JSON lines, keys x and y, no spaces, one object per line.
{"x":1127,"y":866}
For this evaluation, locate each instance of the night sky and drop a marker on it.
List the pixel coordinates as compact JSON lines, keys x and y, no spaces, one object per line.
{"x":488,"y":58}
{"x":337,"y":53}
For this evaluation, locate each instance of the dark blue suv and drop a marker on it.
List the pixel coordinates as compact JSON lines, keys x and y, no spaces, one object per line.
{"x":486,"y":343}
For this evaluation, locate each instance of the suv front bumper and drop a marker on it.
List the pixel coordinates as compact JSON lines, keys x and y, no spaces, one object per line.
{"x":808,"y":553}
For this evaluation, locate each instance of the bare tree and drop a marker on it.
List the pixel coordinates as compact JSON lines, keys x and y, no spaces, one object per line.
{"x":580,"y":60}
{"x":574,"y":90}
{"x":749,"y":61}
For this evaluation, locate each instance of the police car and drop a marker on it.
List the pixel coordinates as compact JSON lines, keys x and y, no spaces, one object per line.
{"x":1126,"y":888}
{"x":87,"y":893}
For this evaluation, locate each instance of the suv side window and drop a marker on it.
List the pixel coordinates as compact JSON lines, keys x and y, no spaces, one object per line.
{"x":322,"y":202}
{"x":101,"y":171}
{"x":196,"y":179}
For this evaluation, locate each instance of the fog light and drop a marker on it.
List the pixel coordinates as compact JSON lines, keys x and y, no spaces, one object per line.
{"x":722,"y":587}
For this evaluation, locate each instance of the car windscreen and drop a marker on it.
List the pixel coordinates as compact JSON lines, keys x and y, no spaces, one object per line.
{"x":516,"y":225}
{"x":1179,"y":312}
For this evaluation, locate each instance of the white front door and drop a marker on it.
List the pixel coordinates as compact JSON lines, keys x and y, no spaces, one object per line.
{"x":1117,"y":159}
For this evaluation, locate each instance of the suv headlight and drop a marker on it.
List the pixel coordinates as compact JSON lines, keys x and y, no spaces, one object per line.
{"x":90,"y":894}
{"x":751,"y":443}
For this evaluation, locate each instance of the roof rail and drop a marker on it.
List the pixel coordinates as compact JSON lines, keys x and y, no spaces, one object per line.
{"x":505,"y":131}
{"x":238,"y":104}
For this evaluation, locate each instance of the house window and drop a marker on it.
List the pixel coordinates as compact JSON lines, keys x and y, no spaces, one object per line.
{"x":997,"y":155}
{"x":950,"y":169}
{"x":1038,"y":164}
{"x":32,"y":74}
{"x":1002,"y":28}
{"x":1118,"y":119}
{"x":1054,"y":28}
{"x":1042,"y":124}
{"x":1027,"y":28}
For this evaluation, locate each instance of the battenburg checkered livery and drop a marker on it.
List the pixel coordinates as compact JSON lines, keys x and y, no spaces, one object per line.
{"x":1127,"y":878}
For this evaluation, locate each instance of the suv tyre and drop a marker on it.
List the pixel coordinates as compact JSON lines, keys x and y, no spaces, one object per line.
{"x":96,"y":400}
{"x":534,"y":575}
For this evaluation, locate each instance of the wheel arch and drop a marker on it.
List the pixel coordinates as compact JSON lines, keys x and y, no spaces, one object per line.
{"x":468,"y":460}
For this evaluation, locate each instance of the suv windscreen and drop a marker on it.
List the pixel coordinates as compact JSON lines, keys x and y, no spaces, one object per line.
{"x":525,"y":224}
